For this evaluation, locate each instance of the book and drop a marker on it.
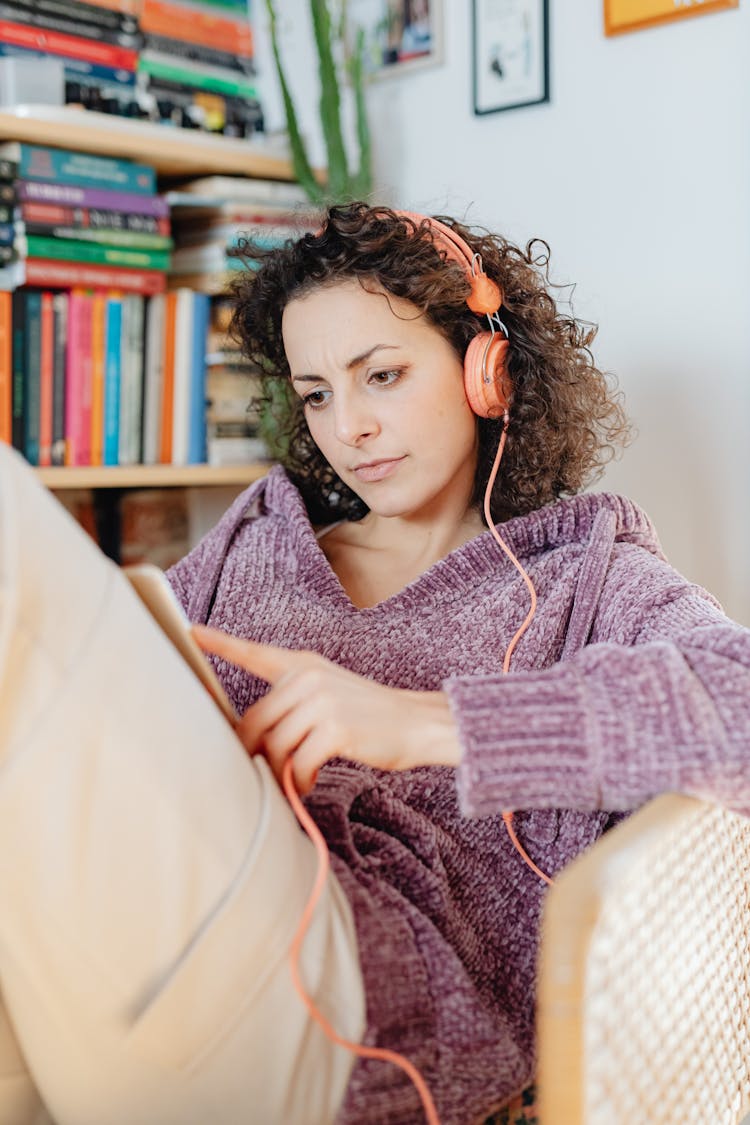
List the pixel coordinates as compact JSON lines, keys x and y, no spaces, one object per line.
{"x":72,"y":250}
{"x":53,"y":17}
{"x":167,"y":397}
{"x":32,"y":341}
{"x":98,"y":361}
{"x":153,"y":377}
{"x":78,"y":169}
{"x":200,"y":52}
{"x":114,"y":80}
{"x":182,"y":372}
{"x":160,"y":17}
{"x":112,"y":376}
{"x":46,"y":377}
{"x":223,"y":189}
{"x":6,"y":368}
{"x":60,"y":327}
{"x":48,"y":273}
{"x":131,"y":382}
{"x":57,"y":215}
{"x":18,"y":361}
{"x":71,"y":195}
{"x":78,"y":374}
{"x":184,"y":72}
{"x":72,"y":46}
{"x":196,"y":451}
{"x":127,"y":239}
{"x":85,"y":13}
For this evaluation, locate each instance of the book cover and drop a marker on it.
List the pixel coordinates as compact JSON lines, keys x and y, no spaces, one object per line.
{"x":98,"y":317}
{"x":69,"y":275}
{"x":78,"y":169}
{"x":112,"y":376}
{"x":32,"y":389}
{"x":74,"y":196}
{"x":18,"y":360}
{"x":74,"y":250}
{"x":46,"y":375}
{"x":167,"y":398}
{"x":6,"y":368}
{"x":196,"y":453}
{"x":153,"y":376}
{"x":60,"y":347}
{"x":78,"y":381}
{"x":74,"y":46}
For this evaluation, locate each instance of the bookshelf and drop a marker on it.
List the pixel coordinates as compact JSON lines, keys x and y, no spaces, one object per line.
{"x":173,"y":153}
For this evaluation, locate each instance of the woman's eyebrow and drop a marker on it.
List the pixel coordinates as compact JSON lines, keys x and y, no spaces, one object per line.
{"x":355,"y":361}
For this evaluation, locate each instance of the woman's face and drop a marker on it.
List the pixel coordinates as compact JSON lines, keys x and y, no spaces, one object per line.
{"x":384,"y":399}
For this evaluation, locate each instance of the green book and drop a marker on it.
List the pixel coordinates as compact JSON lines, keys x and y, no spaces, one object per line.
{"x":203,"y":80}
{"x":68,"y":250}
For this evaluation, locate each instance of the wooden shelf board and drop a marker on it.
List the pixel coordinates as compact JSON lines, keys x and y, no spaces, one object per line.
{"x":152,"y":476}
{"x":171,"y":151}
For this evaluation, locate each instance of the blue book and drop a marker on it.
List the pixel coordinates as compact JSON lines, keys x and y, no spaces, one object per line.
{"x":197,"y":450}
{"x":76,"y":70}
{"x":33,"y":374}
{"x":112,"y":377}
{"x":79,"y":169}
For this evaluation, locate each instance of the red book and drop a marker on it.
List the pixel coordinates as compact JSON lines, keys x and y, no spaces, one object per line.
{"x":69,"y":46}
{"x":78,"y":381}
{"x":46,"y":367}
{"x":48,"y":272}
{"x":6,"y":367}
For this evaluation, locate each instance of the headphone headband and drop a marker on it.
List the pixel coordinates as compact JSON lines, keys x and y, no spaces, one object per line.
{"x":486,"y":297}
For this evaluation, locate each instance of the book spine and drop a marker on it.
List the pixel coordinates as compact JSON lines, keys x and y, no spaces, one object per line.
{"x":69,"y":46}
{"x":50,"y":20}
{"x":6,"y":214}
{"x":126,"y":239}
{"x":71,"y":195}
{"x":197,"y":421}
{"x":55,"y":216}
{"x":82,"y":169}
{"x":200,"y":52}
{"x":87,"y":13}
{"x":153,"y":378}
{"x":71,"y":250}
{"x":7,"y":234}
{"x":18,"y":359}
{"x":77,"y":70}
{"x":112,"y":375}
{"x":221,"y":31}
{"x":212,"y":79}
{"x":8,"y":169}
{"x":6,"y":368}
{"x":128,"y":7}
{"x":167,"y":401}
{"x":60,"y":314}
{"x":132,"y":453}
{"x":78,"y":381}
{"x":98,"y":317}
{"x":46,"y":376}
{"x":183,"y":338}
{"x":33,"y":352}
{"x":52,"y":274}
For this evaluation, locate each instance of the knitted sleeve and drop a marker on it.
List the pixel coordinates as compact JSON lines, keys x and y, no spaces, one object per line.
{"x":658,"y":702}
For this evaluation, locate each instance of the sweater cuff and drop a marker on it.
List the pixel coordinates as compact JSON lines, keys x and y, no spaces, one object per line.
{"x":526,"y":742}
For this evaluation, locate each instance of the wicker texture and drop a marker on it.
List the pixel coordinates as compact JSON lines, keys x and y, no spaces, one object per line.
{"x":665,"y":980}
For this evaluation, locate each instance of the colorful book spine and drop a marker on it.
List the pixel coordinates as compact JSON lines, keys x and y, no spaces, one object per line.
{"x":76,"y":70}
{"x":183,"y":340}
{"x":195,"y":75}
{"x":79,"y":169}
{"x":98,"y":362}
{"x":6,"y":368}
{"x":159,"y":17}
{"x":60,"y":321}
{"x":46,"y":380}
{"x":33,"y":354}
{"x":70,"y":195}
{"x":54,"y":215}
{"x":197,"y":420}
{"x":84,"y":12}
{"x":73,"y":46}
{"x":131,"y":386}
{"x":153,"y":379}
{"x":125,"y":239}
{"x":167,"y":400}
{"x":112,"y":375}
{"x":51,"y":274}
{"x":78,"y":381}
{"x":56,"y":19}
{"x":73,"y":250}
{"x":199,"y":52}
{"x":18,"y":359}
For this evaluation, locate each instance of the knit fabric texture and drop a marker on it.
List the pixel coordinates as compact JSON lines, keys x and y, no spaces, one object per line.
{"x":629,"y":682}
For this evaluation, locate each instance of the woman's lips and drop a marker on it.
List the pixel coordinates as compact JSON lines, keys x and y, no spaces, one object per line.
{"x":378,"y":470}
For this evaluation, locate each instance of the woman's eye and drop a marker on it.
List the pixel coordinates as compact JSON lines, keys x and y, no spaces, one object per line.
{"x":315,"y":399}
{"x":385,"y":378}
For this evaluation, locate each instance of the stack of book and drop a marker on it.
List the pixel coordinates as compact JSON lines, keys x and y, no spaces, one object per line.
{"x":215,"y":216}
{"x":96,"y":43}
{"x":197,"y":62}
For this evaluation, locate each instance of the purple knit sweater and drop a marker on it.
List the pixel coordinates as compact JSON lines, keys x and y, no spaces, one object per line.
{"x":629,"y":682}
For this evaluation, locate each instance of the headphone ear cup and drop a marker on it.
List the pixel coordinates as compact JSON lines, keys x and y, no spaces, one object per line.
{"x":488,"y":394}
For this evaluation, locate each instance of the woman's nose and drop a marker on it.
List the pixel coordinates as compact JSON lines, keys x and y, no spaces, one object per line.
{"x":354,"y":421}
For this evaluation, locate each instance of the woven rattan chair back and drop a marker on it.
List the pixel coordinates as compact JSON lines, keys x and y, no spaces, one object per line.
{"x":644,"y":989}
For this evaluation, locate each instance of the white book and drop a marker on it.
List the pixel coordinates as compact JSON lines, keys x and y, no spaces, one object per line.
{"x":153,"y":378}
{"x":224,"y":189}
{"x":131,"y":387}
{"x":183,"y":361}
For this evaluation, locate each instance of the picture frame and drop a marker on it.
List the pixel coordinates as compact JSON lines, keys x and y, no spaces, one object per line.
{"x":510,"y":53}
{"x":632,"y":15}
{"x":401,"y":36}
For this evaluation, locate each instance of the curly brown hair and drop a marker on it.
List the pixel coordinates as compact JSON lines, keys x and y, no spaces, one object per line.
{"x":566,"y":418}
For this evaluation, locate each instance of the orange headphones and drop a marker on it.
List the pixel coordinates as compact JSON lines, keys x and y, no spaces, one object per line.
{"x":486,"y":378}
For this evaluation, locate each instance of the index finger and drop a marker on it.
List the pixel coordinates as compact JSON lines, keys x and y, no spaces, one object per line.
{"x":265,"y":661}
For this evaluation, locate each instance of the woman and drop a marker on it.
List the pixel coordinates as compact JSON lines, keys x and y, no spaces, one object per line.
{"x":414,"y":690}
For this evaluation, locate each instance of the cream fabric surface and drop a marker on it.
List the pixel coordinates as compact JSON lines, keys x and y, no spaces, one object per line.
{"x":151,"y":875}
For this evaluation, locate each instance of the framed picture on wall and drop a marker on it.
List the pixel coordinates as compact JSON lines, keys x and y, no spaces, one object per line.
{"x":400,"y":35}
{"x":629,"y":15}
{"x":510,"y":54}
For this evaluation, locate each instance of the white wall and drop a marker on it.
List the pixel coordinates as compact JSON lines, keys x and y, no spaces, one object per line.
{"x":638,"y":175}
